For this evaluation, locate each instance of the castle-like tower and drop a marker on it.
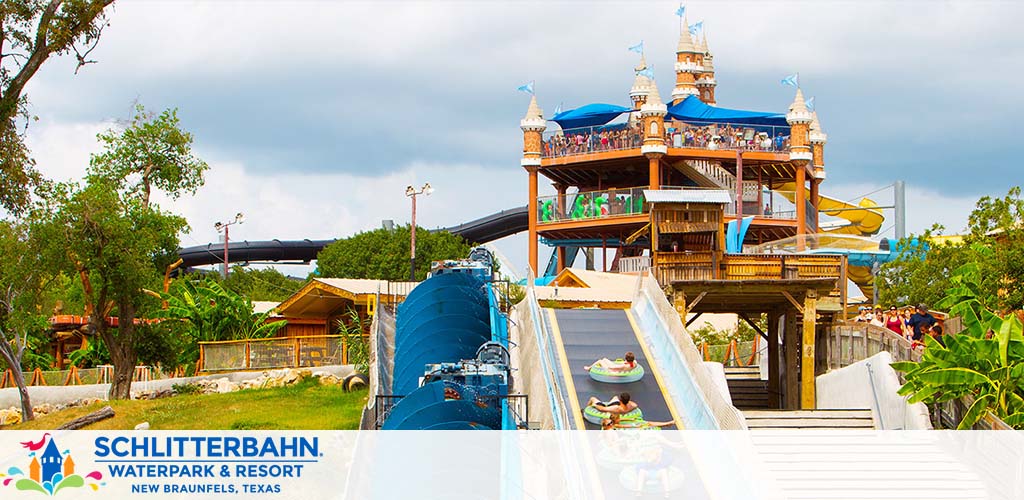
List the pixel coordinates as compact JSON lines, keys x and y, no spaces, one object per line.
{"x":706,"y":80}
{"x":689,"y":67}
{"x":681,"y":192}
{"x":600,"y":172}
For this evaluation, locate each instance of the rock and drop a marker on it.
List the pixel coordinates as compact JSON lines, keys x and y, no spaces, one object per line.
{"x":142,"y":427}
{"x":224,"y":385}
{"x":290,"y":377}
{"x":329,"y":380}
{"x":10,"y":416}
{"x":305,"y":373}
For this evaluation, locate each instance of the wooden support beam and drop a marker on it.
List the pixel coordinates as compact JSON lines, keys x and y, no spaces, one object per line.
{"x":694,"y":318}
{"x":791,"y":345}
{"x":774,"y":401}
{"x":793,"y":301}
{"x":679,"y":302}
{"x":752,"y":325}
{"x":807,"y":393}
{"x":696,"y":301}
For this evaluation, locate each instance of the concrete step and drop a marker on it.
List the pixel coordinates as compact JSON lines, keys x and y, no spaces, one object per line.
{"x":809,"y":419}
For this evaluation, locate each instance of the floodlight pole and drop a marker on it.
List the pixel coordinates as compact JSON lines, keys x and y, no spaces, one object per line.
{"x":239,"y":218}
{"x":413,"y":193}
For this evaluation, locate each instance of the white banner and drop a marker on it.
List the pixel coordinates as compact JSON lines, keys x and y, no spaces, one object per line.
{"x":512,"y":465}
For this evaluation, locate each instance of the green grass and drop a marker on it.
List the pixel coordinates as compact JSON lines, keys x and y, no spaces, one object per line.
{"x":303,"y":406}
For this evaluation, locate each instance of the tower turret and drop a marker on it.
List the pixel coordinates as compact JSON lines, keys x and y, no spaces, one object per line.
{"x":641,"y":85}
{"x":533,"y":126}
{"x":706,"y":82}
{"x":652,"y":114}
{"x":799,"y":118}
{"x":689,"y":65}
{"x":817,"y":138}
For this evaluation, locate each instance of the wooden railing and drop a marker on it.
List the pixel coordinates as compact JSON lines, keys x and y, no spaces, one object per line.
{"x":849,"y":343}
{"x":634,"y":265}
{"x":693,"y":266}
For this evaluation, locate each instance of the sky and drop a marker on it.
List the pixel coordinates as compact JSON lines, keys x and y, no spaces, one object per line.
{"x":315,"y":116}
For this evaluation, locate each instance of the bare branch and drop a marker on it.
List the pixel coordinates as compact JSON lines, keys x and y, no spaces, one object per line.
{"x":81,"y":57}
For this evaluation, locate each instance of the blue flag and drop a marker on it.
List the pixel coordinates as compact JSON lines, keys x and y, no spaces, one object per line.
{"x":558,"y":109}
{"x":810,"y":104}
{"x":638,"y":48}
{"x":793,"y":80}
{"x":694,"y":28}
{"x":681,"y":10}
{"x":648,"y":72}
{"x":528,"y":88}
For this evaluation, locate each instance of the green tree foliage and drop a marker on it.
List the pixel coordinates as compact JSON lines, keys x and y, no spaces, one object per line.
{"x":353,"y":330}
{"x":262,"y":284}
{"x":985,"y":361}
{"x":215,"y":313}
{"x":110,"y":234}
{"x":30,"y":32}
{"x":384,"y":254}
{"x":707,"y":333}
{"x":995,"y":241}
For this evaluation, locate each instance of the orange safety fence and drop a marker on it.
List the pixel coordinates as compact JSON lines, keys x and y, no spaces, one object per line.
{"x":732,"y":354}
{"x":82,"y":376}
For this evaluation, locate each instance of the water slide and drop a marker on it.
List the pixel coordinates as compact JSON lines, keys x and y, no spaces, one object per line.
{"x":483,"y":230}
{"x":864,"y":219}
{"x":585,"y":335}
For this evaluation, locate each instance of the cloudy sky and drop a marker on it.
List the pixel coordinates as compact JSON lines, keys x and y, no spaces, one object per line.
{"x":315,"y":115}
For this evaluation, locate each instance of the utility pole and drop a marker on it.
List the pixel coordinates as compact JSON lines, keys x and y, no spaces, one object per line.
{"x":899,"y":194}
{"x":239,"y":218}
{"x":413,"y":193}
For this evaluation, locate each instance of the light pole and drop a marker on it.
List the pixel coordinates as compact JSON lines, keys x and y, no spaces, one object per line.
{"x":239,"y":218}
{"x":413,"y":193}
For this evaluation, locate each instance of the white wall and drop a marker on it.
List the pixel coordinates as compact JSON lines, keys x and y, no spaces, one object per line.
{"x":872,"y":383}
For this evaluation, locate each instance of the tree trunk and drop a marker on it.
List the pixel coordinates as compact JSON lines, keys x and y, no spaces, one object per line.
{"x":122,"y":352}
{"x":19,"y":380}
{"x":26,"y":402}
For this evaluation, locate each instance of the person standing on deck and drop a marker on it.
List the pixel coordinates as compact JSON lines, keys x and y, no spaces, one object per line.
{"x":921,"y":322}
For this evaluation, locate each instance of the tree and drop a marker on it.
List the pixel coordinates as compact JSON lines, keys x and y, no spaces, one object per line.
{"x":114,"y":237}
{"x":262,"y":284}
{"x":384,"y":254}
{"x":985,"y":361}
{"x":213,"y":313}
{"x":921,"y":271}
{"x":21,"y":282}
{"x":30,"y":32}
{"x":995,"y":241}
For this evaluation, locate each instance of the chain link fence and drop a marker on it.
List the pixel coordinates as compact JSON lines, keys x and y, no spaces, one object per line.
{"x":262,"y":354}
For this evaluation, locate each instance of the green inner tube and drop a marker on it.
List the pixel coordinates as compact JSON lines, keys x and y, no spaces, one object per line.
{"x":595,"y":416}
{"x":617,"y":377}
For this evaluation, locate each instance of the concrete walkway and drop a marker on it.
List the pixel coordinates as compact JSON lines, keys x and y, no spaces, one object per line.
{"x":57,"y":395}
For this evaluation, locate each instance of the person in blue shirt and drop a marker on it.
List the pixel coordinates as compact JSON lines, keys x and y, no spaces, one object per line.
{"x":921,"y":322}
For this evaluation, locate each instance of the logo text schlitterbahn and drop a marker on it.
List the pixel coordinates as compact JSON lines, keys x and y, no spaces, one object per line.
{"x":206,"y":464}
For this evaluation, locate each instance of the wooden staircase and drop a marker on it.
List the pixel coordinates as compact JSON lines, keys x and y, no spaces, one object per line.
{"x":809,"y":419}
{"x":746,"y":388}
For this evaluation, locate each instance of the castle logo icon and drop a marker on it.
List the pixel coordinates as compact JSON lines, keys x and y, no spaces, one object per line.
{"x":50,"y":470}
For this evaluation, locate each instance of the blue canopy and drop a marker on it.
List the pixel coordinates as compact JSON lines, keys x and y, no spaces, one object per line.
{"x":692,"y":109}
{"x":589,"y":115}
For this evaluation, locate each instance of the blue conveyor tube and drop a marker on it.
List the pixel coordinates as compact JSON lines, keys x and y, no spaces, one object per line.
{"x":443,"y":320}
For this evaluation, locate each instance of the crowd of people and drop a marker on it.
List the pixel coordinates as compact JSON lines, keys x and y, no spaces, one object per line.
{"x":677,"y":135}
{"x":911,"y":322}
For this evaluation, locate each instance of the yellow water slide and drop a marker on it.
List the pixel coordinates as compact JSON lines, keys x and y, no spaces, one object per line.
{"x":864,"y":218}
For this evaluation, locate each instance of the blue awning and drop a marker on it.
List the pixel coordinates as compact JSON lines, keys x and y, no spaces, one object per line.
{"x":692,"y":109}
{"x":589,"y":115}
